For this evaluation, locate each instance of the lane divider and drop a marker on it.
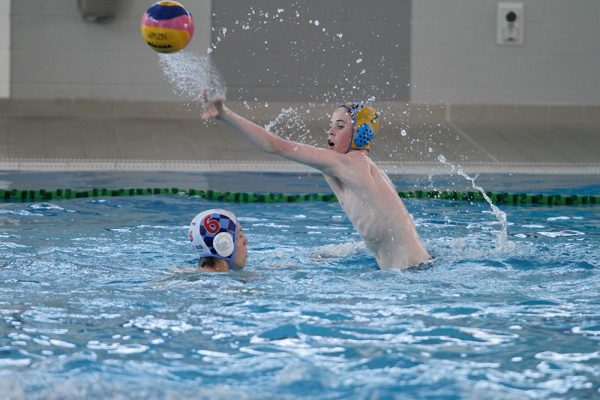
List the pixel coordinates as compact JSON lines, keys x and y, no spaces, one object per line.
{"x":16,"y":195}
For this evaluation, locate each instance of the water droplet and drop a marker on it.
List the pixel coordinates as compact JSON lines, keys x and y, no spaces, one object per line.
{"x":403,"y":132}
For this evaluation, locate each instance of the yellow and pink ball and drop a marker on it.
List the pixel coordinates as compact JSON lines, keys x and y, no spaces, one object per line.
{"x":167,"y":26}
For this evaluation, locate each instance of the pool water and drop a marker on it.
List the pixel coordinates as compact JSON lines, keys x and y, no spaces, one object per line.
{"x":93,"y":304}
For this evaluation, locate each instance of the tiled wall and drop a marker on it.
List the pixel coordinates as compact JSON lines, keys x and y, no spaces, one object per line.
{"x":455,"y":58}
{"x":57,"y":54}
{"x":5,"y":49}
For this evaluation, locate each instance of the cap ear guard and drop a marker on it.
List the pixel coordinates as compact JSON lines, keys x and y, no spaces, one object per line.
{"x":366,"y":124}
{"x":363,"y":137}
{"x":223,"y":244}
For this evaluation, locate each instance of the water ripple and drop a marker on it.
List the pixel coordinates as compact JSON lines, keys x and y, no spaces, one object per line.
{"x":100,"y":309}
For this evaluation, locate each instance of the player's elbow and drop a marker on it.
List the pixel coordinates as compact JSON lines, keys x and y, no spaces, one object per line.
{"x":270,"y":148}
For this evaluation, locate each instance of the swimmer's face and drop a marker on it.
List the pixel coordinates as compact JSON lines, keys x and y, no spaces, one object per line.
{"x":339,"y":134}
{"x":241,"y":248}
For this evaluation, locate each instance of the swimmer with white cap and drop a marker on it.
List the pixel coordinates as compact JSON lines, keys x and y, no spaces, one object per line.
{"x":366,"y":193}
{"x":219,"y":238}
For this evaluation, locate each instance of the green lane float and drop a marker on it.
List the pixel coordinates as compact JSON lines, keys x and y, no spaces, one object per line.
{"x":17,"y":195}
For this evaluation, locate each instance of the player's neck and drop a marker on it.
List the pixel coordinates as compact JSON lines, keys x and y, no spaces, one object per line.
{"x":219,"y":266}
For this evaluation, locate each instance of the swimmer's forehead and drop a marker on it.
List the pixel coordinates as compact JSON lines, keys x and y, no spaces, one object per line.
{"x":341,"y":114}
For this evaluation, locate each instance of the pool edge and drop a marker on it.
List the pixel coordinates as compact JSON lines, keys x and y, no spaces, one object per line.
{"x":216,"y":166}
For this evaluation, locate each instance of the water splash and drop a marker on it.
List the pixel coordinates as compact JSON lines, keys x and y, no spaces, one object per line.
{"x":290,"y":124}
{"x":502,"y":239}
{"x":285,"y":112}
{"x":338,"y":250}
{"x":190,"y":74}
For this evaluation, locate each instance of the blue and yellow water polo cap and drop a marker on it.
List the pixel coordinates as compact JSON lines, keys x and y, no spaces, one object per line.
{"x":214,"y":234}
{"x":365,"y":121}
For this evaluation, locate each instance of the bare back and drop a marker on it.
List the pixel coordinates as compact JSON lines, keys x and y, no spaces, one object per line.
{"x":370,"y":200}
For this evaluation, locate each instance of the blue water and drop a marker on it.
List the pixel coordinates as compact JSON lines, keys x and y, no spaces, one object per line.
{"x":92,"y":304}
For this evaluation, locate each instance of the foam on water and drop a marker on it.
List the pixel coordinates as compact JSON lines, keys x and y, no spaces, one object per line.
{"x":339,"y":250}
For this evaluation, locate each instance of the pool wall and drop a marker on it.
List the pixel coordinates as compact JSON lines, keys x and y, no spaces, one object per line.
{"x":72,"y":135}
{"x":411,"y":51}
{"x":455,"y":57}
{"x":56,"y":53}
{"x":99,"y":100}
{"x":5,"y":49}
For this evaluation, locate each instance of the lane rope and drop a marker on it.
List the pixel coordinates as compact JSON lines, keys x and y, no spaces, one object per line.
{"x":17,"y":195}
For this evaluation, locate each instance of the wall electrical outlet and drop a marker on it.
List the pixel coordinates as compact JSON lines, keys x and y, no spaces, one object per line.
{"x":511,"y":23}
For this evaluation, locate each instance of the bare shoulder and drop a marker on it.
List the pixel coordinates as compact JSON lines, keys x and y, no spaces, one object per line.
{"x":358,"y":162}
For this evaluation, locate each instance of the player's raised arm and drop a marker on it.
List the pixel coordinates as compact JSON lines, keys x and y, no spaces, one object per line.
{"x":319,"y":158}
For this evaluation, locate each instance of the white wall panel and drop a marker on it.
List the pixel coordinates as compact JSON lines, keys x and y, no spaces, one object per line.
{"x":58,"y":54}
{"x":455,"y":58}
{"x":5,"y":49}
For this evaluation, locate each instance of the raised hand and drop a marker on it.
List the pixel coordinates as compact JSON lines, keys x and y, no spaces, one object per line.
{"x":214,"y":106}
